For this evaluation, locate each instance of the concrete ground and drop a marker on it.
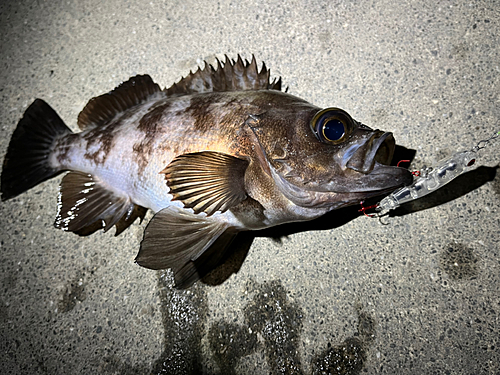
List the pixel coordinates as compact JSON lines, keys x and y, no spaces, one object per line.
{"x":344,"y":294}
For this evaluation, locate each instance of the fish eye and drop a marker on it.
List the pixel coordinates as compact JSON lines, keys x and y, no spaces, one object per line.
{"x":332,"y":125}
{"x":333,"y":129}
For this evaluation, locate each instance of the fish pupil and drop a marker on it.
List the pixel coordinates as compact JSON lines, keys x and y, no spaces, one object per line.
{"x":333,"y":129}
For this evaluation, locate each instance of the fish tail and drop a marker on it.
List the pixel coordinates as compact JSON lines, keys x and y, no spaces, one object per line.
{"x":27,"y":161}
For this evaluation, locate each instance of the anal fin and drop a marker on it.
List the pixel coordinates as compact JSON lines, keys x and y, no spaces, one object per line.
{"x":177,"y":239}
{"x":86,"y":205}
{"x":129,"y":218}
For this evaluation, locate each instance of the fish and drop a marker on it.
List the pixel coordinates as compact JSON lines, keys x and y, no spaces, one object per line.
{"x":223,"y":151}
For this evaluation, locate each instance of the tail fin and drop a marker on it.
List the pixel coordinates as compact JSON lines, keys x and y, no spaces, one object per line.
{"x":27,"y":161}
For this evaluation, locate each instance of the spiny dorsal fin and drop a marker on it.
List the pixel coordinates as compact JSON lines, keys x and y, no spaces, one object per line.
{"x":86,"y":205}
{"x":230,"y":76}
{"x":102,"y":109}
{"x":207,"y":181}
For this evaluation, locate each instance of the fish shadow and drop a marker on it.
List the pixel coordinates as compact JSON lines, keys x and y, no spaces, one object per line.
{"x":234,"y":257}
{"x":231,"y":262}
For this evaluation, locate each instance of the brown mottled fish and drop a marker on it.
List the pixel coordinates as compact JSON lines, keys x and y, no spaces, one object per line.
{"x":222,"y":151}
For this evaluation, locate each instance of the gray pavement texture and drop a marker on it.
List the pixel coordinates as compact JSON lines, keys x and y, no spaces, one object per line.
{"x":344,"y":294}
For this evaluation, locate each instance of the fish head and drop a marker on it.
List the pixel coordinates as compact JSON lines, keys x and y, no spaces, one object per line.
{"x":325,"y":158}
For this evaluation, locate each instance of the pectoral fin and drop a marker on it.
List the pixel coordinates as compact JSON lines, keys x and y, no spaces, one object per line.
{"x":176,"y":239}
{"x":207,"y":181}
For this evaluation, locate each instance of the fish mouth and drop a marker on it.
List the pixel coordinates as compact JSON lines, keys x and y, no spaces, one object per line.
{"x":379,"y":148}
{"x":368,"y":170}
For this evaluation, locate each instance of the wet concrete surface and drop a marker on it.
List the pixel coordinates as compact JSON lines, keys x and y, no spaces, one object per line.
{"x":417,"y":292}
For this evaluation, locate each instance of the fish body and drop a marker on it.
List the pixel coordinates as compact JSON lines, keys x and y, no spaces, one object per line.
{"x":220,"y":152}
{"x":129,"y":153}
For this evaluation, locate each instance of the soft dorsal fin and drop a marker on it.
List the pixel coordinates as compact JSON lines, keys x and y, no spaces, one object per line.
{"x":230,"y":76}
{"x":102,"y":109}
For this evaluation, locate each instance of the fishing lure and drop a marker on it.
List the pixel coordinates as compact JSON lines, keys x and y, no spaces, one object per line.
{"x":430,"y":179}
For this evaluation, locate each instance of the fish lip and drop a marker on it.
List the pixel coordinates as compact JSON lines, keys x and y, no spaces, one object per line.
{"x":397,"y":177}
{"x":382,"y":179}
{"x":375,"y":175}
{"x":379,"y":148}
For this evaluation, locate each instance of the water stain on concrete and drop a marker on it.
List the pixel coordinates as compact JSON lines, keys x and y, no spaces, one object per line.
{"x":229,"y":342}
{"x":279,"y":322}
{"x":346,"y":358}
{"x":459,"y":262}
{"x":72,"y":294}
{"x":349,"y":356}
{"x":272,"y":325}
{"x":184,"y":313}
